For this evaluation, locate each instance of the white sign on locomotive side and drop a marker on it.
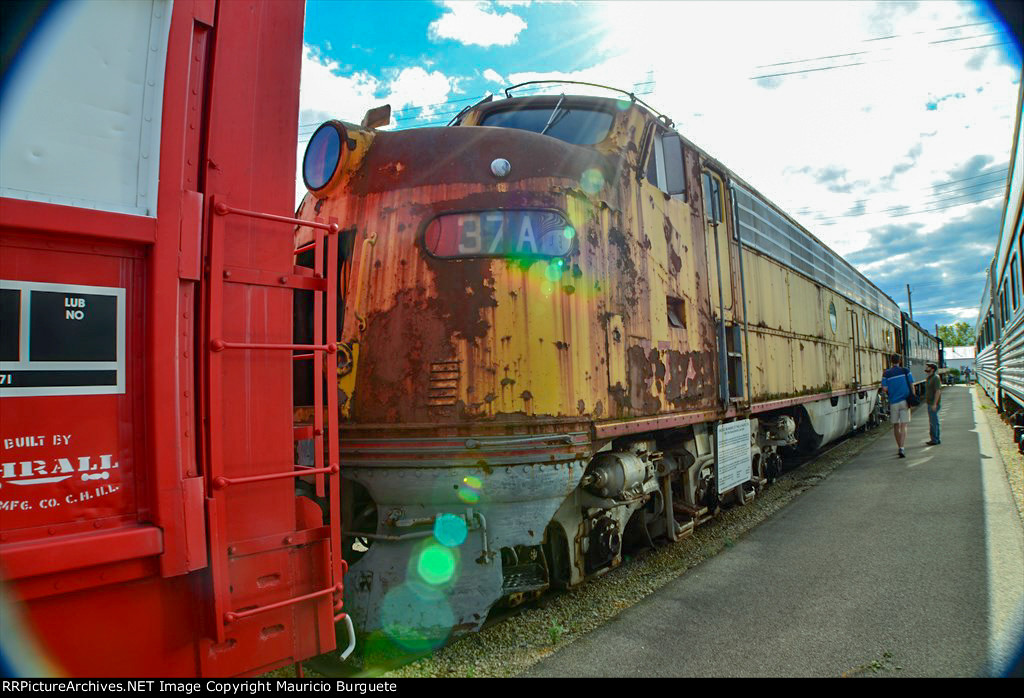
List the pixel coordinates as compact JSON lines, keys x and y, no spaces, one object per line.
{"x":733,"y":449}
{"x":61,"y":339}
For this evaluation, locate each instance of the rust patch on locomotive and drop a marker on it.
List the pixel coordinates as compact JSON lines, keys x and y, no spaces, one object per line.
{"x":463,"y":296}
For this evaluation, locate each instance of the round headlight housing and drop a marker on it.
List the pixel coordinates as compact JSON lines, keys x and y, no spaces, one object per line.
{"x":325,"y":153}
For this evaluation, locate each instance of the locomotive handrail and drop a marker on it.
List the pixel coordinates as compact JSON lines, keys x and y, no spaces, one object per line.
{"x":222,"y":209}
{"x":222,"y":482}
{"x":351,"y":635}
{"x":390,"y":538}
{"x":632,"y":96}
{"x":221,"y":345}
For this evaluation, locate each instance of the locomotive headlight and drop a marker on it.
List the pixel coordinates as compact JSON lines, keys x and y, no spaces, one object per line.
{"x":324,"y":153}
{"x":333,"y":152}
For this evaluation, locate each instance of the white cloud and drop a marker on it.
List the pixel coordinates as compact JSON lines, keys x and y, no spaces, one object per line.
{"x":415,"y":87}
{"x":476,"y":24}
{"x":326,"y":94}
{"x":968,"y":314}
{"x":493,"y":76}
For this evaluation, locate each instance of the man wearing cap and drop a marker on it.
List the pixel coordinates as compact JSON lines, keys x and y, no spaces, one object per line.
{"x":932,"y":397}
{"x":896,"y":384}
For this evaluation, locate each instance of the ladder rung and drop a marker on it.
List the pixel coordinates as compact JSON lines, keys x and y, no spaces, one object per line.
{"x":232,"y":616}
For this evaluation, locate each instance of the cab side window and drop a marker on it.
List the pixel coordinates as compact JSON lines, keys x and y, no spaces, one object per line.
{"x":712,"y":197}
{"x":665,"y":163}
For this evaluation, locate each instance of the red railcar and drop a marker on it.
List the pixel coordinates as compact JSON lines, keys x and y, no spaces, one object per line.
{"x":149,"y":521}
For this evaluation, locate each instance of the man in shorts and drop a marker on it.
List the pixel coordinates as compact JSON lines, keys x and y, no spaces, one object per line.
{"x":896,"y":384}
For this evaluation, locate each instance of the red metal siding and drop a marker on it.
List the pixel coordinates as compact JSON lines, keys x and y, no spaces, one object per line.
{"x":125,"y":581}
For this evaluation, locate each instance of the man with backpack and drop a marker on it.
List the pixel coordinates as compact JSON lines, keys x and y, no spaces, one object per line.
{"x":896,"y":383}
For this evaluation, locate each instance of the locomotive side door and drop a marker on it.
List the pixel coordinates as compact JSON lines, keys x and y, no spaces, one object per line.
{"x":720,"y":291}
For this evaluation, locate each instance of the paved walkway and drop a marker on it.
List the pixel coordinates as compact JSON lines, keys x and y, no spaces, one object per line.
{"x":911,"y":567}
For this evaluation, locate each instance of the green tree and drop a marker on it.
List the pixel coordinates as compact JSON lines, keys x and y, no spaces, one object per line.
{"x":959,"y":334}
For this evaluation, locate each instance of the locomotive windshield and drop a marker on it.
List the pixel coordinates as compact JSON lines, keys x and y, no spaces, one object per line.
{"x":579,"y":126}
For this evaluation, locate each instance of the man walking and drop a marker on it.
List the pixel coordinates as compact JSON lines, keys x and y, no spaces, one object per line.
{"x":896,"y":384}
{"x":932,"y":398}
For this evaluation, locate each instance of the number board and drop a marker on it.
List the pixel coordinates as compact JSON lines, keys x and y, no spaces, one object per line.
{"x":500,"y":233}
{"x":61,"y":339}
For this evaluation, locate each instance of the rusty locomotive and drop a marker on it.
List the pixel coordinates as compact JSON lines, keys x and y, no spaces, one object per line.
{"x":564,"y":327}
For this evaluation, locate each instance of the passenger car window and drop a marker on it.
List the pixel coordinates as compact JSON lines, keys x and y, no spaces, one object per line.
{"x":1015,"y":291}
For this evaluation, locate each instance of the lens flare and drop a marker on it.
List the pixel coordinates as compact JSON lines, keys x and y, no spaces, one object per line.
{"x":450,"y":530}
{"x":554,"y":271}
{"x":592,"y":181}
{"x":436,"y":565}
{"x":469,"y":490}
{"x":416,"y":617}
{"x":569,"y":232}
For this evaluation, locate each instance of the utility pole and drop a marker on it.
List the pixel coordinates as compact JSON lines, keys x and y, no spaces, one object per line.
{"x":910,"y":304}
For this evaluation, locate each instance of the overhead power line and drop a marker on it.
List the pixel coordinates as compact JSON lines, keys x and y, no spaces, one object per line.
{"x":1000,"y":173}
{"x":898,"y":211}
{"x":879,"y":51}
{"x":943,"y":208}
{"x":1000,"y":169}
{"x":966,"y":38}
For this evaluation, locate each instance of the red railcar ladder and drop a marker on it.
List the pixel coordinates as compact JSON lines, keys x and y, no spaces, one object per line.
{"x":325,"y":289}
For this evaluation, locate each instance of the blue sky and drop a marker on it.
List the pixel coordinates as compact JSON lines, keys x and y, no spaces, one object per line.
{"x":884,"y":128}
